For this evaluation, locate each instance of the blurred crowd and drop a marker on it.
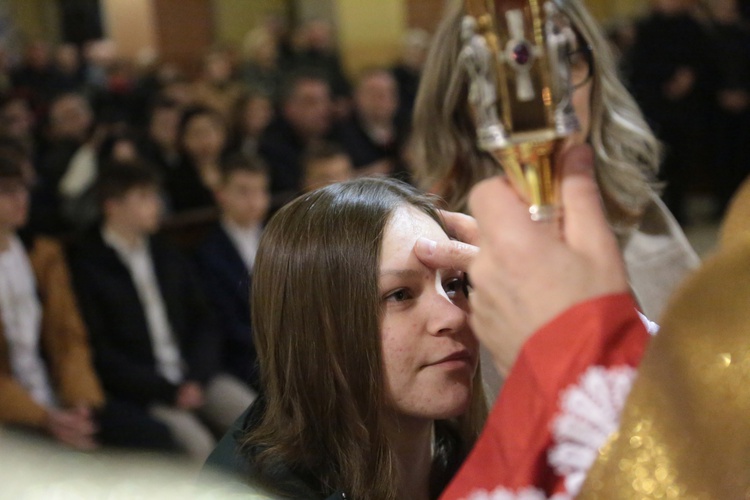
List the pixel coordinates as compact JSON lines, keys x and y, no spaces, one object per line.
{"x":688,"y":65}
{"x":132,"y":199}
{"x":135,"y":331}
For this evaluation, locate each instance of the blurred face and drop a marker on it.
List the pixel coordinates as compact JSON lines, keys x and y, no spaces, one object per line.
{"x":377,"y":98}
{"x":124,"y":151}
{"x":17,"y":119}
{"x":37,"y":55}
{"x":66,"y":58}
{"x":163,"y":127}
{"x":14,"y":204}
{"x":218,"y":68}
{"x":321,"y":173}
{"x":309,"y":108}
{"x":139,"y":210}
{"x":71,"y":118}
{"x":429,"y":352}
{"x":204,"y":138}
{"x":319,"y":35}
{"x":258,"y":114}
{"x":178,"y":91}
{"x":264,"y":51}
{"x":244,"y":198}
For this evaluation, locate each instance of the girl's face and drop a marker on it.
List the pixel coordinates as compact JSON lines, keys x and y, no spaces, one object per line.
{"x":204,"y":137}
{"x":429,"y":352}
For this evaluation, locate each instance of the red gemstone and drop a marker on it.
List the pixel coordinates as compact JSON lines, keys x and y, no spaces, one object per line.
{"x":521,"y":54}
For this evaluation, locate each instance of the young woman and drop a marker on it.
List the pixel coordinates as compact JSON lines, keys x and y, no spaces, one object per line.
{"x":368,"y":366}
{"x":201,"y":139}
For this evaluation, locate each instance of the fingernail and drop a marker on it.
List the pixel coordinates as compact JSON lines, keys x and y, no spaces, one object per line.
{"x":426,"y":245}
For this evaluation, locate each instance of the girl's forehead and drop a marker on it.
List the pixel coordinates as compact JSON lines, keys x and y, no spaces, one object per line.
{"x":408,"y":224}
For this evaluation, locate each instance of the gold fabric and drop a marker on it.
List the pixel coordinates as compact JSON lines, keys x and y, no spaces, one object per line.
{"x":685,"y":431}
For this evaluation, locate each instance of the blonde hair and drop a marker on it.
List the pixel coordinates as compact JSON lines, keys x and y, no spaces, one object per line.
{"x":447,"y":159}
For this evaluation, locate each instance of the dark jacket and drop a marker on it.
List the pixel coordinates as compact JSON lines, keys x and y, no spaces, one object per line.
{"x":110,"y":305}
{"x":226,"y":282}
{"x":185,"y":189}
{"x":282,"y":149}
{"x":362,"y":149}
{"x":656,"y":56}
{"x":230,"y":458}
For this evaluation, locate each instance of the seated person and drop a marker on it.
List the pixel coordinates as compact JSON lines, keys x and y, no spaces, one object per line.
{"x":226,"y":258}
{"x":201,"y":140}
{"x":47,"y":381}
{"x":369,"y":370}
{"x":151,"y":329}
{"x":324,"y":164}
{"x":371,"y":136}
{"x":305,"y":117}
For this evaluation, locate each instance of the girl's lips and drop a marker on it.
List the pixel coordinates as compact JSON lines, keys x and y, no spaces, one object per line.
{"x":462,"y":355}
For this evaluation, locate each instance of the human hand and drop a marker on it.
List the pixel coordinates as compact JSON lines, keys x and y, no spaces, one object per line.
{"x":454,"y":254}
{"x":74,"y":427}
{"x":189,"y":396}
{"x":527,"y":272}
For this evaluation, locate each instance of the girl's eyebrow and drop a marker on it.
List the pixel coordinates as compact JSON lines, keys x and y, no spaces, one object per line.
{"x":402,"y":273}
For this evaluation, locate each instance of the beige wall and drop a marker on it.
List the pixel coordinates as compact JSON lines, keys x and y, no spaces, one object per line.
{"x":36,"y":19}
{"x":234,"y":18}
{"x":607,"y":11}
{"x":370,"y":31}
{"x":131,"y":24}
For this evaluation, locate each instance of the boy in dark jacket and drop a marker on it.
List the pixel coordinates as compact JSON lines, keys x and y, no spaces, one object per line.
{"x":154,"y":339}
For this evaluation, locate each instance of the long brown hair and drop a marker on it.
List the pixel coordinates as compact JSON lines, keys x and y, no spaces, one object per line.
{"x":316,"y":321}
{"x":448,"y":160}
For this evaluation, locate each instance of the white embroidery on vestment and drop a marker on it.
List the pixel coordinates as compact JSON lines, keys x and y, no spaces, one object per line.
{"x":589,"y":413}
{"x":524,"y":494}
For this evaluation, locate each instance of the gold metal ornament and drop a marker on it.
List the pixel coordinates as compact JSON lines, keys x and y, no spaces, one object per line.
{"x":515,"y":56}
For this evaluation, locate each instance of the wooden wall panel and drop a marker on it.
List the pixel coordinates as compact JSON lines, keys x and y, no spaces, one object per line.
{"x":184,"y":30}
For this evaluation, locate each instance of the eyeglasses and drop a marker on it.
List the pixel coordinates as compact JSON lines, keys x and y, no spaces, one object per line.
{"x":581,"y":63}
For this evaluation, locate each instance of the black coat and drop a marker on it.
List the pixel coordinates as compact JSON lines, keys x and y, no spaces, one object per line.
{"x":226,"y":281}
{"x":282,"y":149}
{"x":112,"y":310}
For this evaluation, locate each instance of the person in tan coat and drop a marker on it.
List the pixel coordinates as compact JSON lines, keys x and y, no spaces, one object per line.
{"x":62,"y":341}
{"x":47,"y":381}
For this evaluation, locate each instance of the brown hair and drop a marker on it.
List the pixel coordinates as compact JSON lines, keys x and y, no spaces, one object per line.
{"x":316,"y":322}
{"x":116,"y":179}
{"x":242,"y":163}
{"x":448,"y":161}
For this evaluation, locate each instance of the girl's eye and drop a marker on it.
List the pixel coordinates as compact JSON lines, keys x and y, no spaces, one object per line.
{"x":455,"y":286}
{"x":400,"y":295}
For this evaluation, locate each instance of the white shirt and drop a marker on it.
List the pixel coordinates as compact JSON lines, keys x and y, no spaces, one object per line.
{"x":245,"y":240}
{"x":138,"y":261}
{"x":21,"y":314}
